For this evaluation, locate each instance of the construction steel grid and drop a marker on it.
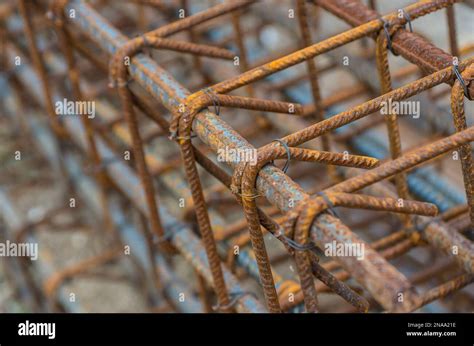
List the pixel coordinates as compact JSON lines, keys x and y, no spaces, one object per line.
{"x":219,"y":227}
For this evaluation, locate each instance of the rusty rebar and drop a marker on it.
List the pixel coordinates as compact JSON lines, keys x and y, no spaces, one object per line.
{"x":58,"y":18}
{"x":302,"y":220}
{"x":453,"y":41}
{"x":390,"y":118}
{"x":39,"y":64}
{"x":318,"y":113}
{"x":465,"y":152}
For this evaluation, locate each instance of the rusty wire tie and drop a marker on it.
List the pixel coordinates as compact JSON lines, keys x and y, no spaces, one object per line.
{"x":408,"y":20}
{"x":178,"y":138}
{"x":295,"y":245}
{"x":214,"y":99}
{"x":460,"y":79}
{"x":235,"y":297}
{"x":146,"y":49}
{"x":301,"y":247}
{"x":288,"y":153}
{"x":331,"y":207}
{"x":217,"y":110}
{"x":386,"y":26}
{"x":243,"y":195}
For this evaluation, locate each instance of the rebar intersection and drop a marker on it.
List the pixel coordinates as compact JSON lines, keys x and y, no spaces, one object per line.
{"x":306,"y":223}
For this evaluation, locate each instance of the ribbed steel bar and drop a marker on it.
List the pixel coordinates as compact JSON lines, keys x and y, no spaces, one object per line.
{"x":206,"y":125}
{"x":59,"y":20}
{"x":24,"y":8}
{"x":318,"y":113}
{"x":186,"y":242}
{"x":410,"y":45}
{"x":369,"y":107}
{"x":307,"y":220}
{"x":118,"y":72}
{"x":383,"y":69}
{"x":119,"y":76}
{"x":453,"y":41}
{"x":371,"y":27}
{"x":457,"y":108}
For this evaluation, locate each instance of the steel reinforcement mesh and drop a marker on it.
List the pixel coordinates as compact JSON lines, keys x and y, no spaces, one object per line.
{"x":238,"y":156}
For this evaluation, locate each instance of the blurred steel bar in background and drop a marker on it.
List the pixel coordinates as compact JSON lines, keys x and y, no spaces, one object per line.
{"x":383,"y":281}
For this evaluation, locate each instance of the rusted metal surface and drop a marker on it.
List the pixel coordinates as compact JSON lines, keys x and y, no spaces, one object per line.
{"x":188,"y":191}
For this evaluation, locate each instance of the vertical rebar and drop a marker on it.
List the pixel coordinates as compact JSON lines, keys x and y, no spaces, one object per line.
{"x":39,"y":65}
{"x":453,"y":40}
{"x":383,"y":69}
{"x":239,"y":37}
{"x":98,"y":172}
{"x":318,"y":114}
{"x":204,"y":223}
{"x":465,"y":151}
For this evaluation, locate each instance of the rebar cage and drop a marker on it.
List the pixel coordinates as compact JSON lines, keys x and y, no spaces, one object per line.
{"x":155,"y":130}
